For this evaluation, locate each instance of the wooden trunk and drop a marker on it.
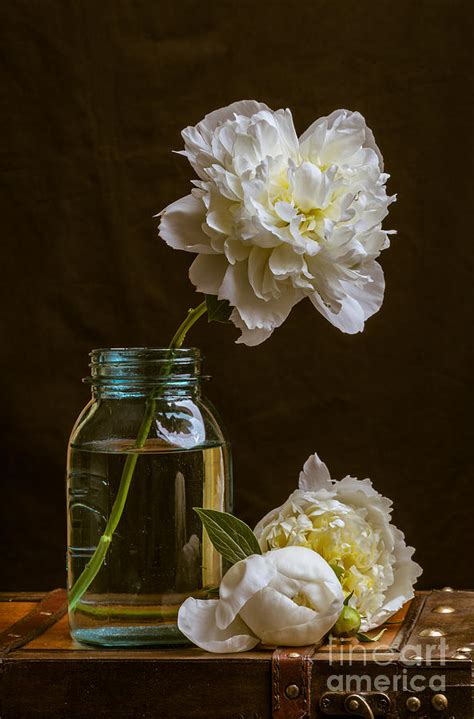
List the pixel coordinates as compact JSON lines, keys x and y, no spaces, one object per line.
{"x":52,"y":677}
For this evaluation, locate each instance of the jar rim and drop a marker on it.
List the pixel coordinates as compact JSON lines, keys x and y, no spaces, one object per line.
{"x":178,"y":351}
{"x":145,"y":366}
{"x":121,"y":356}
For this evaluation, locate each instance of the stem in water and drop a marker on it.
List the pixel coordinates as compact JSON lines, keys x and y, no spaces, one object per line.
{"x":92,"y":568}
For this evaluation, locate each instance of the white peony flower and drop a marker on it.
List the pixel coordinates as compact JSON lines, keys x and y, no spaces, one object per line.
{"x":289,"y":597}
{"x":348,"y":523}
{"x":274,"y":219}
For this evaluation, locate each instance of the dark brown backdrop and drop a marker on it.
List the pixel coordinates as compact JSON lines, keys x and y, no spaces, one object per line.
{"x":95,"y":96}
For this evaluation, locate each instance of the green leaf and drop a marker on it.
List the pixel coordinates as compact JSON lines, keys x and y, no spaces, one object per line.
{"x":365,"y":638}
{"x":232,"y":538}
{"x":217,"y":310}
{"x":338,"y":570}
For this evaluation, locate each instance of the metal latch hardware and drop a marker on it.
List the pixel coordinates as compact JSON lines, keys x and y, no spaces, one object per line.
{"x":365,"y":704}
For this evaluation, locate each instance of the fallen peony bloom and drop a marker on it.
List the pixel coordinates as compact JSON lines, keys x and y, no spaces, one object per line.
{"x":288,"y":597}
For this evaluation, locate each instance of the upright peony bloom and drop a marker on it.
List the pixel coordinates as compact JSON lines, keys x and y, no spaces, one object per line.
{"x":348,"y":523}
{"x":273,"y":218}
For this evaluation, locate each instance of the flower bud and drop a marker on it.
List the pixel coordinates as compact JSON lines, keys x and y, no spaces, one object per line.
{"x":348,"y":623}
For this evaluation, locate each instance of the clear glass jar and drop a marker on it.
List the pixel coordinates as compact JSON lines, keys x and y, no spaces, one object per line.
{"x":156,"y":554}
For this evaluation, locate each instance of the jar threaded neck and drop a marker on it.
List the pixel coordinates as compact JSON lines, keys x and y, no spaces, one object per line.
{"x":144,"y":367}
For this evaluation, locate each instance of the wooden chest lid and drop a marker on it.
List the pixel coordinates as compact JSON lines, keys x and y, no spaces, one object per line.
{"x":54,"y":676}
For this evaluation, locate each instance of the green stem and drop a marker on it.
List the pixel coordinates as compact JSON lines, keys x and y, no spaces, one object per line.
{"x":192,"y":317}
{"x":134,"y":612}
{"x":93,"y":566}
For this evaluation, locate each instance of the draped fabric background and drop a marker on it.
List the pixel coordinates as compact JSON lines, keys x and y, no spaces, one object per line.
{"x":94,"y":96}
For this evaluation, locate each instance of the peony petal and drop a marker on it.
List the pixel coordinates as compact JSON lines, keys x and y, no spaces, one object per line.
{"x":285,"y":211}
{"x":303,"y":565}
{"x":284,"y":262}
{"x":276,"y":618}
{"x":218,"y":216}
{"x":374,"y":241}
{"x":349,"y":319}
{"x":240,"y":583}
{"x":315,"y":475}
{"x":207,"y":272}
{"x":274,"y":134}
{"x":370,"y":142}
{"x":406,"y":572}
{"x":198,"y":139}
{"x":270,"y":517}
{"x":272,"y":614}
{"x":264,"y":138}
{"x":250,"y":338}
{"x":258,"y":264}
{"x":358,"y":304}
{"x":287,"y":129}
{"x":181,"y":225}
{"x":197,"y":621}
{"x":310,"y":187}
{"x":256,"y":313}
{"x":325,"y":597}
{"x":264,"y":614}
{"x":235,"y":251}
{"x":312,"y":140}
{"x":246,"y":108}
{"x":361,"y":493}
{"x":370,"y":296}
{"x":344,"y":135}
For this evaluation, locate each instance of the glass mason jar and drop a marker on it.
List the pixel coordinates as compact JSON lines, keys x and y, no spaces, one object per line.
{"x":146,"y":449}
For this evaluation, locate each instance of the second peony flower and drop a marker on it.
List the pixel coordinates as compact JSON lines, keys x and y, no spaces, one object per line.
{"x":348,"y":523}
{"x":274,"y":219}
